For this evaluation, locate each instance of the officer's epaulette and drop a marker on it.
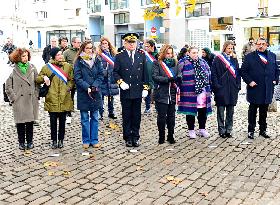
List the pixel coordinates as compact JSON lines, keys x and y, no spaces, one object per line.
{"x":140,"y":50}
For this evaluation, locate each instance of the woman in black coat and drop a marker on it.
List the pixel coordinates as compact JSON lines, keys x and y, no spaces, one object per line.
{"x":108,"y":86}
{"x":208,"y":56}
{"x":165,"y":92}
{"x":226,"y":83}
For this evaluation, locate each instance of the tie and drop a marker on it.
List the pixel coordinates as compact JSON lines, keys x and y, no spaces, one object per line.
{"x":131,"y":58}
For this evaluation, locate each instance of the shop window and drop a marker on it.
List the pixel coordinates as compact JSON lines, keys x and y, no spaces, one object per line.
{"x":146,"y":2}
{"x":201,"y":9}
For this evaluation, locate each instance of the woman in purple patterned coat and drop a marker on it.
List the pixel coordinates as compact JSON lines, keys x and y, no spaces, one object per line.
{"x":195,"y":93}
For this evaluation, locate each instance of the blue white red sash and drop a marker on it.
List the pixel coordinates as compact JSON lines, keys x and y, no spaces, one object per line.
{"x":228,"y":65}
{"x":149,"y":56}
{"x":107,"y":59}
{"x":167,"y":70}
{"x":263,"y":58}
{"x":58,"y":72}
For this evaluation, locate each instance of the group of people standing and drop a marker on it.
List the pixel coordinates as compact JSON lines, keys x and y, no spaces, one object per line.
{"x":188,"y":82}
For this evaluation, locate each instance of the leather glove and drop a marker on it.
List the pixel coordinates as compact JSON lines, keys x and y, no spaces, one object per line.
{"x":145,"y":93}
{"x":171,"y":79}
{"x":124,"y":86}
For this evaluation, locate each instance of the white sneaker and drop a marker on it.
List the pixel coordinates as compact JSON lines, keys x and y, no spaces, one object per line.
{"x":203,"y":133}
{"x":192,"y":134}
{"x":68,"y":120}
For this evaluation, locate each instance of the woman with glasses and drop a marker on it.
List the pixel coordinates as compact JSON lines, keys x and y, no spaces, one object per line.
{"x":226,"y":83}
{"x":88,"y":74}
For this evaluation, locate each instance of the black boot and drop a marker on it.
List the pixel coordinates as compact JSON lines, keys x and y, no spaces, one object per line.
{"x":54,"y":145}
{"x":30,"y":145}
{"x":60,"y":144}
{"x":170,"y":137}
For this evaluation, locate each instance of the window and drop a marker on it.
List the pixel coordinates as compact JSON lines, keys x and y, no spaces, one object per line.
{"x":94,"y":5}
{"x":118,"y":4}
{"x":121,"y":18}
{"x":201,"y":9}
{"x":41,"y":15}
{"x":146,"y":2}
{"x":263,"y":8}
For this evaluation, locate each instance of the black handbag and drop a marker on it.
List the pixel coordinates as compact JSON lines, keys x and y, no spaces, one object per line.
{"x":43,"y":91}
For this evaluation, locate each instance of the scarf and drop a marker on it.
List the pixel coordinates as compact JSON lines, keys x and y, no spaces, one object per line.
{"x":23,"y":67}
{"x":170,"y":62}
{"x":58,"y":63}
{"x":89,"y":59}
{"x":201,"y":77}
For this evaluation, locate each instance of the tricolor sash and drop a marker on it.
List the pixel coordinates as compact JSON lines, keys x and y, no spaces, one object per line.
{"x":263,"y":58}
{"x":167,"y":70}
{"x":107,"y":59}
{"x":228,"y":65}
{"x":58,"y":72}
{"x":149,"y":56}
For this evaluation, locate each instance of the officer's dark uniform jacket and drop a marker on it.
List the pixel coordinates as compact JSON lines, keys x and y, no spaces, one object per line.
{"x":134,"y":75}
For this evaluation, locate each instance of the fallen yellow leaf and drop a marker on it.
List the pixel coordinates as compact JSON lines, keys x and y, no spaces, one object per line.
{"x":204,"y":193}
{"x":51,"y":173}
{"x":50,"y":164}
{"x":66,"y":173}
{"x":27,"y":153}
{"x":177,"y":181}
{"x":170,"y":178}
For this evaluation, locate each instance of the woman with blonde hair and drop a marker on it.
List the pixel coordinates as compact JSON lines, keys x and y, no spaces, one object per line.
{"x":226,"y":83}
{"x":23,"y":93}
{"x":108,"y":86}
{"x":195,"y":92}
{"x":88,"y":74}
{"x":167,"y":77}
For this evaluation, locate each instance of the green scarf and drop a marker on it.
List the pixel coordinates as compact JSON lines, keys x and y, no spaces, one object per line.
{"x":23,"y":67}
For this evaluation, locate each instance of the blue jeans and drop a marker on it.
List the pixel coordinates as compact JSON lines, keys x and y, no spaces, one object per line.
{"x":89,"y":121}
{"x":148,"y":100}
{"x":110,"y":105}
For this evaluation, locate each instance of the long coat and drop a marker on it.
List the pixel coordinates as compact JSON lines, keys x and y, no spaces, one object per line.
{"x":134,"y":75}
{"x":23,"y":93}
{"x":224,"y":85}
{"x":188,"y":98}
{"x":164,"y":91}
{"x":109,"y":87}
{"x":85,"y":77}
{"x":58,"y":98}
{"x":253,"y":69}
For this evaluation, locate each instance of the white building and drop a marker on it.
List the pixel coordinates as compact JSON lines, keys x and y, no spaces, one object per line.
{"x":49,"y":18}
{"x":13,"y":22}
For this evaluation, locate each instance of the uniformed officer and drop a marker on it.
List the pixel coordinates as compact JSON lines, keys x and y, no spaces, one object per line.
{"x":130,"y":74}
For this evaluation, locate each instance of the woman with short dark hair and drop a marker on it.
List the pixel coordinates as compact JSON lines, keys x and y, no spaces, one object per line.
{"x":23,"y":94}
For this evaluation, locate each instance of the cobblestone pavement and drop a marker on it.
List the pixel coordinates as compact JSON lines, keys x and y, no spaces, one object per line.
{"x":201,"y":171}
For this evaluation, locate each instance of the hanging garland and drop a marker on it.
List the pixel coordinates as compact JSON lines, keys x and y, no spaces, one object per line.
{"x":159,"y":5}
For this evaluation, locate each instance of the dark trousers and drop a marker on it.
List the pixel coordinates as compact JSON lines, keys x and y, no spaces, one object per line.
{"x":202,"y":116}
{"x":225,"y":126}
{"x":148,"y":100}
{"x":166,"y":116}
{"x":110,"y":105}
{"x":131,"y":117}
{"x":73,"y":91}
{"x":252,"y":115}
{"x":61,"y":116}
{"x":25,"y":129}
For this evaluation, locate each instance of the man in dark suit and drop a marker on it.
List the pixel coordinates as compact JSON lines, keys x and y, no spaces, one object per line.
{"x":260,"y":73}
{"x":130,"y":74}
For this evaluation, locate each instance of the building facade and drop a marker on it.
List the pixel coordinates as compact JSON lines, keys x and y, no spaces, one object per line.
{"x":49,"y":18}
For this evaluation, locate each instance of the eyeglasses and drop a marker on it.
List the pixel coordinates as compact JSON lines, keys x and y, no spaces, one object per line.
{"x":88,"y":47}
{"x":77,"y":42}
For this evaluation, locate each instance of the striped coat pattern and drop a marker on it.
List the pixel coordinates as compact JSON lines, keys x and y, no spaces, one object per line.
{"x":188,"y":98}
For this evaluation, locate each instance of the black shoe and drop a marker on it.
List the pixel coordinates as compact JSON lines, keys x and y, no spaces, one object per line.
{"x":251,"y":135}
{"x":29,"y":145}
{"x":54,"y":145}
{"x":263,"y":134}
{"x":101,"y":118}
{"x":128,"y":143}
{"x":228,"y":135}
{"x":136,"y":143}
{"x":21,"y":146}
{"x":60,"y":144}
{"x":36,"y":123}
{"x":161,"y":140}
{"x":223,"y":135}
{"x":171,"y":140}
{"x":112,"y":116}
